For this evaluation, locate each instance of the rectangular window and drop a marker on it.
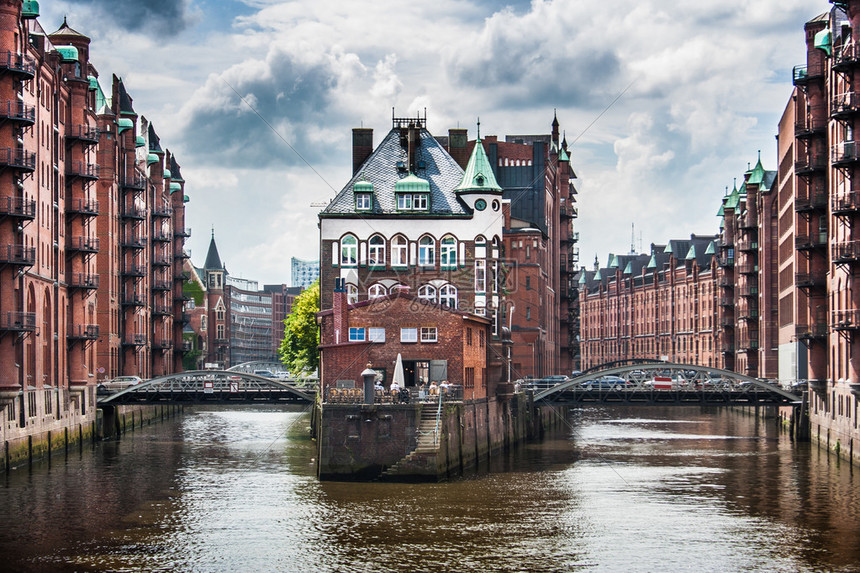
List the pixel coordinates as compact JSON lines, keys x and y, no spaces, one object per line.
{"x":468,"y":337}
{"x":409,"y":334}
{"x":481,"y":338}
{"x":356,"y":334}
{"x":404,"y":201}
{"x":428,"y":334}
{"x":362,"y":201}
{"x":419,"y":202}
{"x":376,"y":334}
{"x":480,"y":276}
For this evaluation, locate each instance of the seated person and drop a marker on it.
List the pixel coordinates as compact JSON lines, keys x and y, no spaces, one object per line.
{"x":434,"y":390}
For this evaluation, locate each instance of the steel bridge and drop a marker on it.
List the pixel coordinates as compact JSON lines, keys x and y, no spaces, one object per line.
{"x":663,"y":383}
{"x":210,"y":387}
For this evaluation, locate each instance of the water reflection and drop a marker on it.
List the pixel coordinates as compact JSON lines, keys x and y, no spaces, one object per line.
{"x":222,"y":490}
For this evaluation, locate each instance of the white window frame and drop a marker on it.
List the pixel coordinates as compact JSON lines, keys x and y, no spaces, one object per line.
{"x":448,"y":252}
{"x":357,"y":334}
{"x":399,"y":251}
{"x":429,"y":334}
{"x":427,"y":251}
{"x":420,"y":201}
{"x":447,"y":294}
{"x":363,"y":202}
{"x":351,"y":293}
{"x":376,"y":251}
{"x":376,"y":291}
{"x":404,"y":201}
{"x":480,"y":276}
{"x":408,"y":334}
{"x":427,"y":292}
{"x":376,"y":334}
{"x":349,"y":251}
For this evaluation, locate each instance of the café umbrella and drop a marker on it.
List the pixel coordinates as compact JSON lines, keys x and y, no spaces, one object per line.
{"x":399,"y":378}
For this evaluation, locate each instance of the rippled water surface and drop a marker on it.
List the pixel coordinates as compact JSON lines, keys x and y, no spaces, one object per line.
{"x":618,"y":490}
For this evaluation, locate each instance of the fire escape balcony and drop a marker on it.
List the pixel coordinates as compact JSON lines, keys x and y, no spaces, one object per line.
{"x":845,"y":252}
{"x":19,"y":159}
{"x":747,"y":221}
{"x":182,"y":276}
{"x":846,"y":57}
{"x":810,"y":163}
{"x":83,"y":332}
{"x":816,"y":331}
{"x":89,"y":171}
{"x":17,"y":64}
{"x":748,"y":268}
{"x":130,"y":270}
{"x":21,"y":255}
{"x":810,"y":242}
{"x":748,"y":314}
{"x":844,"y":105}
{"x":133,"y":299}
{"x":807,"y":280}
{"x":12,"y":321}
{"x":18,"y":112}
{"x":808,"y":200}
{"x":726,"y":261}
{"x":181,"y":255}
{"x":87,"y":207}
{"x":161,"y":260}
{"x":19,"y":207}
{"x":161,"y":310}
{"x":747,"y":245}
{"x":803,"y":75}
{"x":749,"y":344}
{"x":133,"y":212}
{"x":134,"y":340}
{"x":133,"y":242}
{"x":727,"y":301}
{"x":568,"y":211}
{"x":162,"y":212}
{"x":846,"y":203}
{"x":88,"y":134}
{"x":812,"y":124}
{"x":161,"y":285}
{"x":134,"y":182}
{"x":161,"y":236}
{"x":82,"y":244}
{"x":749,"y":291}
{"x":844,"y":153}
{"x":725,"y":282}
{"x":84,"y":281}
{"x":846,"y":320}
{"x":162,"y":344}
{"x":727,"y":321}
{"x":182,"y":232}
{"x":726,"y":347}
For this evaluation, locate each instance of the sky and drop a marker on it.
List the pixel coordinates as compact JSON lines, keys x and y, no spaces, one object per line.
{"x":664,"y":104}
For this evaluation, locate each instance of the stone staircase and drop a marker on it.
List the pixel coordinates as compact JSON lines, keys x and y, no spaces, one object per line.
{"x":427,"y":444}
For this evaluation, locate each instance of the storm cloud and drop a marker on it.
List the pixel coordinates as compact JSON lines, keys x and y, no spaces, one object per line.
{"x":163,"y":18}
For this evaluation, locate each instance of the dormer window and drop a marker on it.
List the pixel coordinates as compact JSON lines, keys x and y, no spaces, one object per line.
{"x":412,"y":201}
{"x":363,"y":202}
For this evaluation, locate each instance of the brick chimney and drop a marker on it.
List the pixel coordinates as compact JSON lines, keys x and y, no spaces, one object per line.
{"x":458,"y":146}
{"x":339,"y":311}
{"x":362,"y":146}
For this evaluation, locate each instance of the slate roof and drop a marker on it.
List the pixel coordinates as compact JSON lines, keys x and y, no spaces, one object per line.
{"x":66,"y":30}
{"x":380,"y":169}
{"x":154,"y":142}
{"x":175,"y":174}
{"x":213,"y":260}
{"x":125,"y":107}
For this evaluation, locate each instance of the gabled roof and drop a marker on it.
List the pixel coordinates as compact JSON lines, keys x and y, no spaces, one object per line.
{"x":175,"y":174}
{"x":125,"y":107}
{"x":479,"y":173}
{"x":381,"y":169}
{"x":66,"y":30}
{"x":154,"y":142}
{"x":213,"y":260}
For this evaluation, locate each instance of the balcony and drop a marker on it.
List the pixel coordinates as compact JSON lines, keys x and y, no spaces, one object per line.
{"x":161,"y":344}
{"x":19,"y":207}
{"x":17,"y":64}
{"x":83,"y":332}
{"x":749,"y":345}
{"x":846,"y":203}
{"x":82,"y":244}
{"x":181,"y":255}
{"x":161,"y":236}
{"x":161,"y":310}
{"x":133,"y":299}
{"x":161,"y":285}
{"x":727,"y":301}
{"x":17,"y":159}
{"x":186,"y":232}
{"x":134,"y":340}
{"x":83,"y":133}
{"x":568,"y":211}
{"x":726,"y":261}
{"x":182,"y":277}
{"x":134,"y":181}
{"x":83,"y":170}
{"x":161,"y":260}
{"x":727,"y":347}
{"x":846,"y":320}
{"x":810,"y":163}
{"x":17,"y":321}
{"x":844,"y":153}
{"x":748,"y":314}
{"x":725,"y":282}
{"x":727,"y":321}
{"x":84,"y":281}
{"x":814,"y":199}
{"x":813,"y":123}
{"x":133,"y":212}
{"x":815,"y":331}
{"x":748,"y":268}
{"x":88,"y":207}
{"x":162,"y":212}
{"x":181,"y":299}
{"x":844,"y":104}
{"x":133,"y":242}
{"x":749,"y":291}
{"x":845,"y":252}
{"x":803,"y":75}
{"x":806,"y":280}
{"x":809,"y":242}
{"x":747,"y":221}
{"x":133,"y":271}
{"x":17,"y":255}
{"x":846,"y":57}
{"x":747,"y":245}
{"x":18,"y":112}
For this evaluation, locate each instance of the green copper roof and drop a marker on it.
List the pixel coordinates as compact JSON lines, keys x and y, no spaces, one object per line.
{"x":652,"y":264}
{"x":101,"y":101}
{"x":139,"y":141}
{"x":597,"y":275}
{"x":94,"y":82}
{"x":151,"y":158}
{"x":562,"y":155}
{"x":668,"y":248}
{"x":167,"y":174}
{"x":174,"y":187}
{"x":363,"y":186}
{"x":691,"y":254}
{"x":124,"y":123}
{"x":68,"y":53}
{"x":823,"y":40}
{"x":757,"y":173}
{"x":613,"y":261}
{"x":30,"y":9}
{"x":479,"y":173}
{"x":412,"y":184}
{"x":186,"y":199}
{"x":733,"y":199}
{"x":712,"y":249}
{"x":628,"y":270}
{"x":582,"y":280}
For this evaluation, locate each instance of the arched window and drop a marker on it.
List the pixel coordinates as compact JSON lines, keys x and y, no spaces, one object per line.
{"x":448,"y":252}
{"x":376,"y":251}
{"x":427,"y":251}
{"x":349,"y":251}
{"x":376,"y":291}
{"x":448,"y":296}
{"x":351,"y":294}
{"x":427,"y":292}
{"x":399,"y":251}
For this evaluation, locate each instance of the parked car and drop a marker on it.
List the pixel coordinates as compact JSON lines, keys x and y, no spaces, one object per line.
{"x":119,"y":383}
{"x":606,"y":383}
{"x":264,"y":373}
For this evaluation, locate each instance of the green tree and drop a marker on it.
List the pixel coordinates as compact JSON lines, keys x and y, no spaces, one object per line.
{"x":299,"y":350}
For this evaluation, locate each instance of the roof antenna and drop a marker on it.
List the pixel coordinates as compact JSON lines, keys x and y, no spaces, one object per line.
{"x":479,"y":128}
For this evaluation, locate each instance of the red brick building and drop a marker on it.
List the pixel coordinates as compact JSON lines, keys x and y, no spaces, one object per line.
{"x":435,"y":342}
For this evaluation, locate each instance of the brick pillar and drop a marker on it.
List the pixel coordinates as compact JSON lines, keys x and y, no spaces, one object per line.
{"x":339,"y":308}
{"x":362,"y":146}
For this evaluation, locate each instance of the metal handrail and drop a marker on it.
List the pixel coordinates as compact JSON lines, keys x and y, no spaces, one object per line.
{"x":438,"y":422}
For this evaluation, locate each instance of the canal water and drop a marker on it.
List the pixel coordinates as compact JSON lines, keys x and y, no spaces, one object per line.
{"x":620,"y":489}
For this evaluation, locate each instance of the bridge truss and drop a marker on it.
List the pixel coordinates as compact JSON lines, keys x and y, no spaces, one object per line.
{"x":665,"y":383}
{"x":210,"y":387}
